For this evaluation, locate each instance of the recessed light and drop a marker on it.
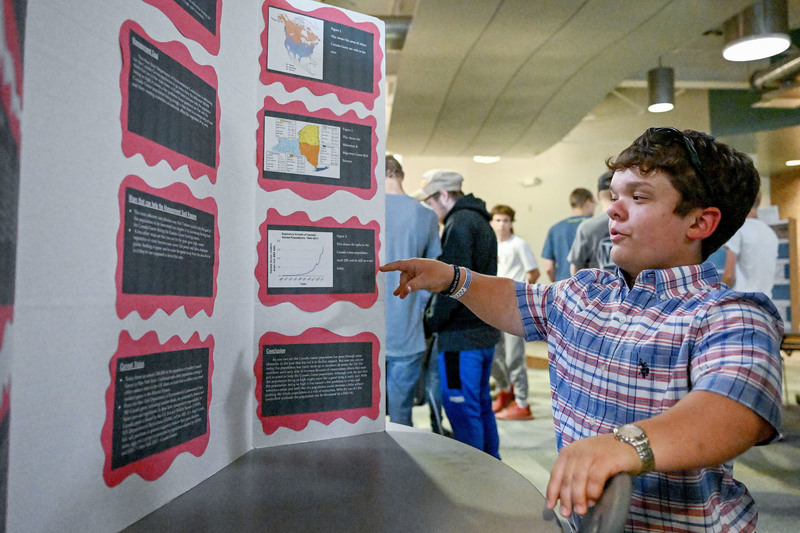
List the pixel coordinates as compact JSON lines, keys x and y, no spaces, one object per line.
{"x":486,"y":159}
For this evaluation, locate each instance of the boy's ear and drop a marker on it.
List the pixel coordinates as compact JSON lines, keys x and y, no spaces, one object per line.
{"x":705,"y":222}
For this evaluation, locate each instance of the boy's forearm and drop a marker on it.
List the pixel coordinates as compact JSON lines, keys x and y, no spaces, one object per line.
{"x":494,"y":300}
{"x":703,"y":429}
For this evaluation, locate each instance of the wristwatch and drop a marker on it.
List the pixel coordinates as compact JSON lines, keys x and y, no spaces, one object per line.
{"x":636,"y":437}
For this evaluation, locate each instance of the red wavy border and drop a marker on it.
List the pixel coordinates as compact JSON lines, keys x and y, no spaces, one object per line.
{"x":313,"y":191}
{"x":147,"y":304}
{"x":152,"y":467}
{"x":5,"y":408}
{"x":12,"y":43}
{"x":189,"y":26}
{"x":319,"y":88}
{"x":153,"y":152}
{"x":310,"y":302}
{"x":299,"y":422}
{"x":6,"y":316}
{"x":6,"y":95}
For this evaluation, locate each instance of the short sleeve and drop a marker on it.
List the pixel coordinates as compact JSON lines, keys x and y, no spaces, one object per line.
{"x":547,"y":250}
{"x":528,"y":258}
{"x":734,"y":244}
{"x":737,"y":354}
{"x":579,"y":253}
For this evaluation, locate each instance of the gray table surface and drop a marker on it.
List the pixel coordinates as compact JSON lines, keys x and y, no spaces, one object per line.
{"x":398,"y":480}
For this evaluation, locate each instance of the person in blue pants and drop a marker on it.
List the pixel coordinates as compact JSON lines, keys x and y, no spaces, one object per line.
{"x":466,"y":343}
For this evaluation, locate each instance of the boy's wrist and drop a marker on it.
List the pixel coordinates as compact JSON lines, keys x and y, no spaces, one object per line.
{"x":635,"y":436}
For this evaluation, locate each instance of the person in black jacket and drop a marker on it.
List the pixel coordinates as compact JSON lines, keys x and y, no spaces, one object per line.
{"x":465,"y":342}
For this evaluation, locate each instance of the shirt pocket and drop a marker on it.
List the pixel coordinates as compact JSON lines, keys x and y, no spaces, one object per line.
{"x":652,"y":375}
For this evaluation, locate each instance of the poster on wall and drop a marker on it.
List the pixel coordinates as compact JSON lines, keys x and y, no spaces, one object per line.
{"x":167,"y":250}
{"x":13,"y":20}
{"x":170,"y":108}
{"x":315,"y":154}
{"x":198,"y":20}
{"x":318,"y":376}
{"x":12,"y":49}
{"x":156,"y":404}
{"x":9,"y":198}
{"x":322,"y":50}
{"x":313,"y":264}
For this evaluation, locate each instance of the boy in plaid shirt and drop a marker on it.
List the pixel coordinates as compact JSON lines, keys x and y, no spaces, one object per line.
{"x":657,"y":369}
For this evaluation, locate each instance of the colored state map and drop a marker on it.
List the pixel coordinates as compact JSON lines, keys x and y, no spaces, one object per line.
{"x":298,"y":147}
{"x":309,"y":144}
{"x":295,"y":46}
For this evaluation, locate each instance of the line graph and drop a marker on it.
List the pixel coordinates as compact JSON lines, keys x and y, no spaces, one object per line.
{"x":299,"y":258}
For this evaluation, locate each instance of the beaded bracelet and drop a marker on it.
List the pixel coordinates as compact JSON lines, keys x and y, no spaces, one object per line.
{"x":464,"y":288}
{"x":452,"y":288}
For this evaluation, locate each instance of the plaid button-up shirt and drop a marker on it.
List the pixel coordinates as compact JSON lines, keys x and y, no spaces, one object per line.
{"x":618,"y":355}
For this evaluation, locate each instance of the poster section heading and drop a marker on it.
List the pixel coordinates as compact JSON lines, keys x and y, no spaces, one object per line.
{"x":317,"y":375}
{"x":322,"y":50}
{"x":169,"y":247}
{"x":157,"y":404}
{"x":170,"y":105}
{"x":319,"y":151}
{"x":168,"y":250}
{"x":198,"y":20}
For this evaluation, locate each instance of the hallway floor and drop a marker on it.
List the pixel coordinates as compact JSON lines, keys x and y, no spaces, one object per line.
{"x":771,"y":473}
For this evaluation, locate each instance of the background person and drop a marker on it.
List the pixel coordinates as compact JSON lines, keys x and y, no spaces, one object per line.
{"x":515,"y":260}
{"x":465,"y":342}
{"x":592,"y":245}
{"x":751,"y":257}
{"x":561,"y":235}
{"x":656,"y":369}
{"x":411,"y":231}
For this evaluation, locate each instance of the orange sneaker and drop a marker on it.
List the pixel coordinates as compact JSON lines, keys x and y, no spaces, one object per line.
{"x":515,"y":412}
{"x":502,"y":400}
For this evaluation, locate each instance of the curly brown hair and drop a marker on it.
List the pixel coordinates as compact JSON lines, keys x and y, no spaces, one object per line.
{"x":706,"y":173}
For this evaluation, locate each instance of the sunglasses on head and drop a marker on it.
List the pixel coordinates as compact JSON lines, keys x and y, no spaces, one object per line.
{"x":676,"y":135}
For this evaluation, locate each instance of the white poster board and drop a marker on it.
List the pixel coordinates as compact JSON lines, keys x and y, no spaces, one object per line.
{"x":199,"y":235}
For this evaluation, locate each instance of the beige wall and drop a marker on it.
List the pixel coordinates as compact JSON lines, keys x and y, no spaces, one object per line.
{"x":577,"y":161}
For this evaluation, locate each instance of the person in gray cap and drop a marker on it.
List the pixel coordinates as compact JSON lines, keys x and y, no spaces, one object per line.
{"x":592,"y":245}
{"x":465,"y":342}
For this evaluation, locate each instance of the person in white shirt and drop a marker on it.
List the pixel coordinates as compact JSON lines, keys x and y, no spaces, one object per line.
{"x":515,"y":260}
{"x":751,"y":257}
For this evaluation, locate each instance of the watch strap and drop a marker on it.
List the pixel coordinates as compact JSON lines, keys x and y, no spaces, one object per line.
{"x":640,"y":443}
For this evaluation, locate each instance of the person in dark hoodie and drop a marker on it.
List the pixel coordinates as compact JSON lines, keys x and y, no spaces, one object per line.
{"x":465,"y":342}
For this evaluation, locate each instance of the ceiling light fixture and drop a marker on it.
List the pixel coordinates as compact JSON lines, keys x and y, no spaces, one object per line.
{"x":661,"y":89}
{"x":758,"y":32}
{"x":486,"y":159}
{"x":793,"y":163}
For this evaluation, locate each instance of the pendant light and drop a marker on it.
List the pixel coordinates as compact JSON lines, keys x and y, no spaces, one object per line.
{"x":661,"y":89}
{"x":758,"y":32}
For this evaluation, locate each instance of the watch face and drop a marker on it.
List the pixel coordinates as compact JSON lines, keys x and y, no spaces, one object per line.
{"x":629,"y":431}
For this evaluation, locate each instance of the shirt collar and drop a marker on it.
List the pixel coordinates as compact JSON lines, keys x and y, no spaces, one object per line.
{"x":677,"y":281}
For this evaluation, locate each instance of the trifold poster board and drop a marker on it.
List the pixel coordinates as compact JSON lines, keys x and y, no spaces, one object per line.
{"x":197,"y":241}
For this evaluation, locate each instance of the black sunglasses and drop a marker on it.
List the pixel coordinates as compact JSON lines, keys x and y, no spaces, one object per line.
{"x":677,"y":135}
